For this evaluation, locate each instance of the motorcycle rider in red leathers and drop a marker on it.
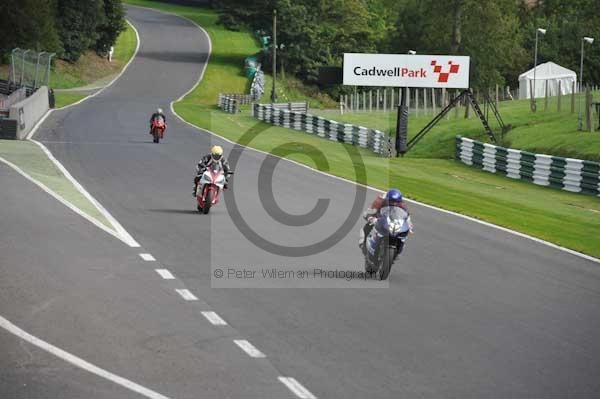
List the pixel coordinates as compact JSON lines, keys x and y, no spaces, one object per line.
{"x":158,"y":114}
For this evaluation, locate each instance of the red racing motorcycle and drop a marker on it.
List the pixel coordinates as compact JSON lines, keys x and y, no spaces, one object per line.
{"x":158,"y":129}
{"x":211,"y":183}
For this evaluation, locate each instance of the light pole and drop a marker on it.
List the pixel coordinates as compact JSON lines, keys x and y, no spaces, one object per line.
{"x":543,"y":32}
{"x":274,"y":44}
{"x":589,"y":40}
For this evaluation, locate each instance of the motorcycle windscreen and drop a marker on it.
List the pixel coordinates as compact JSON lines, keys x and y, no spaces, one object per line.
{"x":216,"y":167}
{"x":396,"y":215}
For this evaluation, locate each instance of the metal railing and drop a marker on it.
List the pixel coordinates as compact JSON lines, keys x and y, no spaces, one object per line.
{"x":30,"y":68}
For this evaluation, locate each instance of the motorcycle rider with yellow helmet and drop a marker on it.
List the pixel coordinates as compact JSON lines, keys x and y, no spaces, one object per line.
{"x":216,"y":155}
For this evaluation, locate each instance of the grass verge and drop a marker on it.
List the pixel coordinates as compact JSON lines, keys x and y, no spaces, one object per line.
{"x":31,"y":159}
{"x":62,"y":99}
{"x":548,"y":132}
{"x":91,"y":69}
{"x":567,"y":219}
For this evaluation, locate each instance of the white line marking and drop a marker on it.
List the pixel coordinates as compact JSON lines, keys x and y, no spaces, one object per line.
{"x":126,"y":237}
{"x":66,"y":356}
{"x":62,"y":200}
{"x":296,"y":388}
{"x":148,"y":257}
{"x":472,"y":219}
{"x":214,"y":318}
{"x":207,"y":57}
{"x":164,"y":273}
{"x":186,"y":294}
{"x":249,"y":348}
{"x":122,"y":234}
{"x":203,"y":130}
{"x":37,"y":125}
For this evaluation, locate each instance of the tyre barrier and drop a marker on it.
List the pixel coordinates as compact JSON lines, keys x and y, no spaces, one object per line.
{"x":375,"y":140}
{"x":568,"y":174}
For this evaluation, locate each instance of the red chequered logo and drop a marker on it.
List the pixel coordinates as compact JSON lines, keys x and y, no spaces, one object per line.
{"x":443,"y":76}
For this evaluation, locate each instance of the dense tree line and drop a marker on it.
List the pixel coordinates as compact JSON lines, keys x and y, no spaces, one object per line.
{"x":497,"y":34}
{"x":66,"y":27}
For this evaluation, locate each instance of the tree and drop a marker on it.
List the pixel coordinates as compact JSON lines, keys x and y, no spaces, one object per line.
{"x":78,"y":21}
{"x":28,"y":24}
{"x":112,"y":26}
{"x":486,"y":30}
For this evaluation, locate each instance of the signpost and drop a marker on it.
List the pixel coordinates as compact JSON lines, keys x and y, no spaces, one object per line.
{"x":407,"y":70}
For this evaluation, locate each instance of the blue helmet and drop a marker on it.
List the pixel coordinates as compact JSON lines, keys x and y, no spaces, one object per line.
{"x":393,"y":197}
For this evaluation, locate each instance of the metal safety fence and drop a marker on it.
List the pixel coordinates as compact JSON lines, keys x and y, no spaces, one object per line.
{"x":375,"y":140}
{"x":295,"y":107}
{"x":30,"y":68}
{"x":230,"y":102}
{"x":568,"y":174}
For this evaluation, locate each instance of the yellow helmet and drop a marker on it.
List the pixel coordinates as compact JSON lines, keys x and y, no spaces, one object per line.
{"x":217,"y":152}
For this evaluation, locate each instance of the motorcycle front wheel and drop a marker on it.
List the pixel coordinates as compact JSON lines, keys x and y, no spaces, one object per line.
{"x":386,"y":262}
{"x":207,"y":201}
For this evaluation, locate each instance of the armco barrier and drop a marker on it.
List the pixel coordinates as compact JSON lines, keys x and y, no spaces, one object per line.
{"x":296,"y":107}
{"x":231,"y":102}
{"x":567,"y":174}
{"x":375,"y":140}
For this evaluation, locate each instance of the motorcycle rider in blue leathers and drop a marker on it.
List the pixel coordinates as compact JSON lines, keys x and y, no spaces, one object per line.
{"x":392,"y":198}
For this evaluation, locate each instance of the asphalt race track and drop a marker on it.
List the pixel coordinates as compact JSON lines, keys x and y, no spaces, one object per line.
{"x":470,"y":312}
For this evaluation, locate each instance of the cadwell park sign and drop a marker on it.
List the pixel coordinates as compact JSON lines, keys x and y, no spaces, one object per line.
{"x":403,"y":70}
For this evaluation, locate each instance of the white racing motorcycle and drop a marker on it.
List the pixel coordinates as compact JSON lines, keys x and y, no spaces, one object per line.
{"x":210,"y":186}
{"x":386,"y":240}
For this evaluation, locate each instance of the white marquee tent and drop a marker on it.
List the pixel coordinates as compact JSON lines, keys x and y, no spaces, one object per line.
{"x":550,"y":72}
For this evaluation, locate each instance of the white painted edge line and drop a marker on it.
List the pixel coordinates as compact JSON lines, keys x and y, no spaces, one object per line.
{"x":507,"y":230}
{"x":207,"y":57}
{"x":148,"y":257}
{"x":165,"y":274}
{"x":76,"y":361}
{"x":37,"y":125}
{"x":125,"y":236}
{"x":61,"y":199}
{"x":76,"y":89}
{"x":249,"y":348}
{"x":470,"y":218}
{"x":296,"y":388}
{"x":186,"y":294}
{"x":214,"y":318}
